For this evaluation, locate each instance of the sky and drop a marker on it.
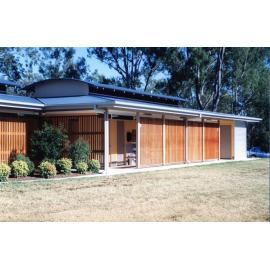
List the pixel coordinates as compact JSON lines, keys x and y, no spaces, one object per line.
{"x":103,"y":69}
{"x":96,"y":64}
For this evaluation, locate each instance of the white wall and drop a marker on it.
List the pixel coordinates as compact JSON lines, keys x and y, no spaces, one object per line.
{"x":61,"y":88}
{"x":240,"y":140}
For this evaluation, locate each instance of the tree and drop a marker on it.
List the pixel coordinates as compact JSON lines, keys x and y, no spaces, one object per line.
{"x":135,"y":66}
{"x":198,"y":72}
{"x":26,"y":65}
{"x":48,"y":143}
{"x":10,"y":65}
{"x":61,"y":63}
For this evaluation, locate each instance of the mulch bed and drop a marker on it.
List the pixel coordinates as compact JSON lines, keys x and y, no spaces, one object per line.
{"x":37,"y":177}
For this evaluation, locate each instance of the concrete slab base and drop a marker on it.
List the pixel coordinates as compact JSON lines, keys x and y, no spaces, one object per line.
{"x":117,"y":171}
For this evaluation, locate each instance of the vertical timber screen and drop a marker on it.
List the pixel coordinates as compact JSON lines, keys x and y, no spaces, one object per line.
{"x":87,"y":127}
{"x":151,"y":142}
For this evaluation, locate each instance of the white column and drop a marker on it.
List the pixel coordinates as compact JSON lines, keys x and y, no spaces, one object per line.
{"x":203,"y":147}
{"x":186,"y":140}
{"x":218,"y":140}
{"x":163,"y":140}
{"x":106,"y":142}
{"x":138,"y":140}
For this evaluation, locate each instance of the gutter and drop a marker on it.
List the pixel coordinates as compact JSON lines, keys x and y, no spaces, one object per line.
{"x":16,"y":106}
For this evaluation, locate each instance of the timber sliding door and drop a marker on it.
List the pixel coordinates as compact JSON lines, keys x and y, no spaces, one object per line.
{"x":175,"y":141}
{"x":211,"y":141}
{"x":151,"y":142}
{"x":195,"y":141}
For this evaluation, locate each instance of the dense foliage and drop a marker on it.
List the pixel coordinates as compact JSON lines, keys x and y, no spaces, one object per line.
{"x":48,"y":143}
{"x":4,"y":172}
{"x":47,"y":169}
{"x":81,"y":167}
{"x":19,"y":168}
{"x":93,"y":165}
{"x":64,"y":165}
{"x":79,"y":151}
{"x":30,"y":164}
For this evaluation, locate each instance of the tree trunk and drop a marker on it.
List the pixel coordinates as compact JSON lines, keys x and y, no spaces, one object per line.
{"x":217,"y":87}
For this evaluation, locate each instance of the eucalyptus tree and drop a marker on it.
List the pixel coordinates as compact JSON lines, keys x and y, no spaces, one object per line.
{"x":135,"y":66}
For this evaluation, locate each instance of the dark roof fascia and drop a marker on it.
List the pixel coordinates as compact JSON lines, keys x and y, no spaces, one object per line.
{"x":134,"y":92}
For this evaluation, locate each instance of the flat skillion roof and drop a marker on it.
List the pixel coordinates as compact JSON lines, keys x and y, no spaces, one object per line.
{"x":98,"y":100}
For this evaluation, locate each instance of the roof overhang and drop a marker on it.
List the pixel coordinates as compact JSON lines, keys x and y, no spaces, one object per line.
{"x":19,"y":103}
{"x":153,"y":108}
{"x":95,"y":102}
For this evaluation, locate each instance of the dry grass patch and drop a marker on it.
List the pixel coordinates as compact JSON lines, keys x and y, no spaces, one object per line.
{"x":237,"y":191}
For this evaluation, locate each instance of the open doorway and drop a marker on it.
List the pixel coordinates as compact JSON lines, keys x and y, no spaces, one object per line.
{"x":122,"y":147}
{"x":226,"y":140}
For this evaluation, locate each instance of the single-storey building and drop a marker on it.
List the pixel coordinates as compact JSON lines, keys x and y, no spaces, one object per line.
{"x":123,"y":127}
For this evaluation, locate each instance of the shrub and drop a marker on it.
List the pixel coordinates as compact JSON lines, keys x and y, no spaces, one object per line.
{"x":79,"y":151}
{"x":94,"y":165}
{"x":47,"y":169}
{"x":31,"y":165}
{"x":19,"y":168}
{"x":48,"y":143}
{"x":64,"y":165}
{"x":81,"y":167}
{"x":4,"y":172}
{"x":52,"y":161}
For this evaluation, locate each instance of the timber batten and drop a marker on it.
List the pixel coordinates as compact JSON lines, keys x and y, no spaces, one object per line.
{"x":211,"y":141}
{"x":194,"y":141}
{"x":15,"y":133}
{"x":175,"y":141}
{"x":151,"y":141}
{"x":90,"y":128}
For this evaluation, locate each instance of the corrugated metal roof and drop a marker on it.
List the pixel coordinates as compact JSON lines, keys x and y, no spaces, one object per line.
{"x":147,"y":107}
{"x":112,"y":90}
{"x":73,"y":102}
{"x":101,"y":102}
{"x":19,"y":102}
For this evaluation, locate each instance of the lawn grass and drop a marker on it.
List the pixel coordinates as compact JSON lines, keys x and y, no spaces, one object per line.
{"x":235,"y":191}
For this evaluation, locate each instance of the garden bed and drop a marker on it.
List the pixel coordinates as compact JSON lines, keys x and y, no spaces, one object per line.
{"x":51,"y":157}
{"x":38,"y":177}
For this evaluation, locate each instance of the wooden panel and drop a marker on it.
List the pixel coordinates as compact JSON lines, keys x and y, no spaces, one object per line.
{"x":194,"y":141}
{"x":13,"y":134}
{"x":174,"y":143}
{"x":211,"y":142}
{"x":150,"y":142}
{"x":87,"y":127}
